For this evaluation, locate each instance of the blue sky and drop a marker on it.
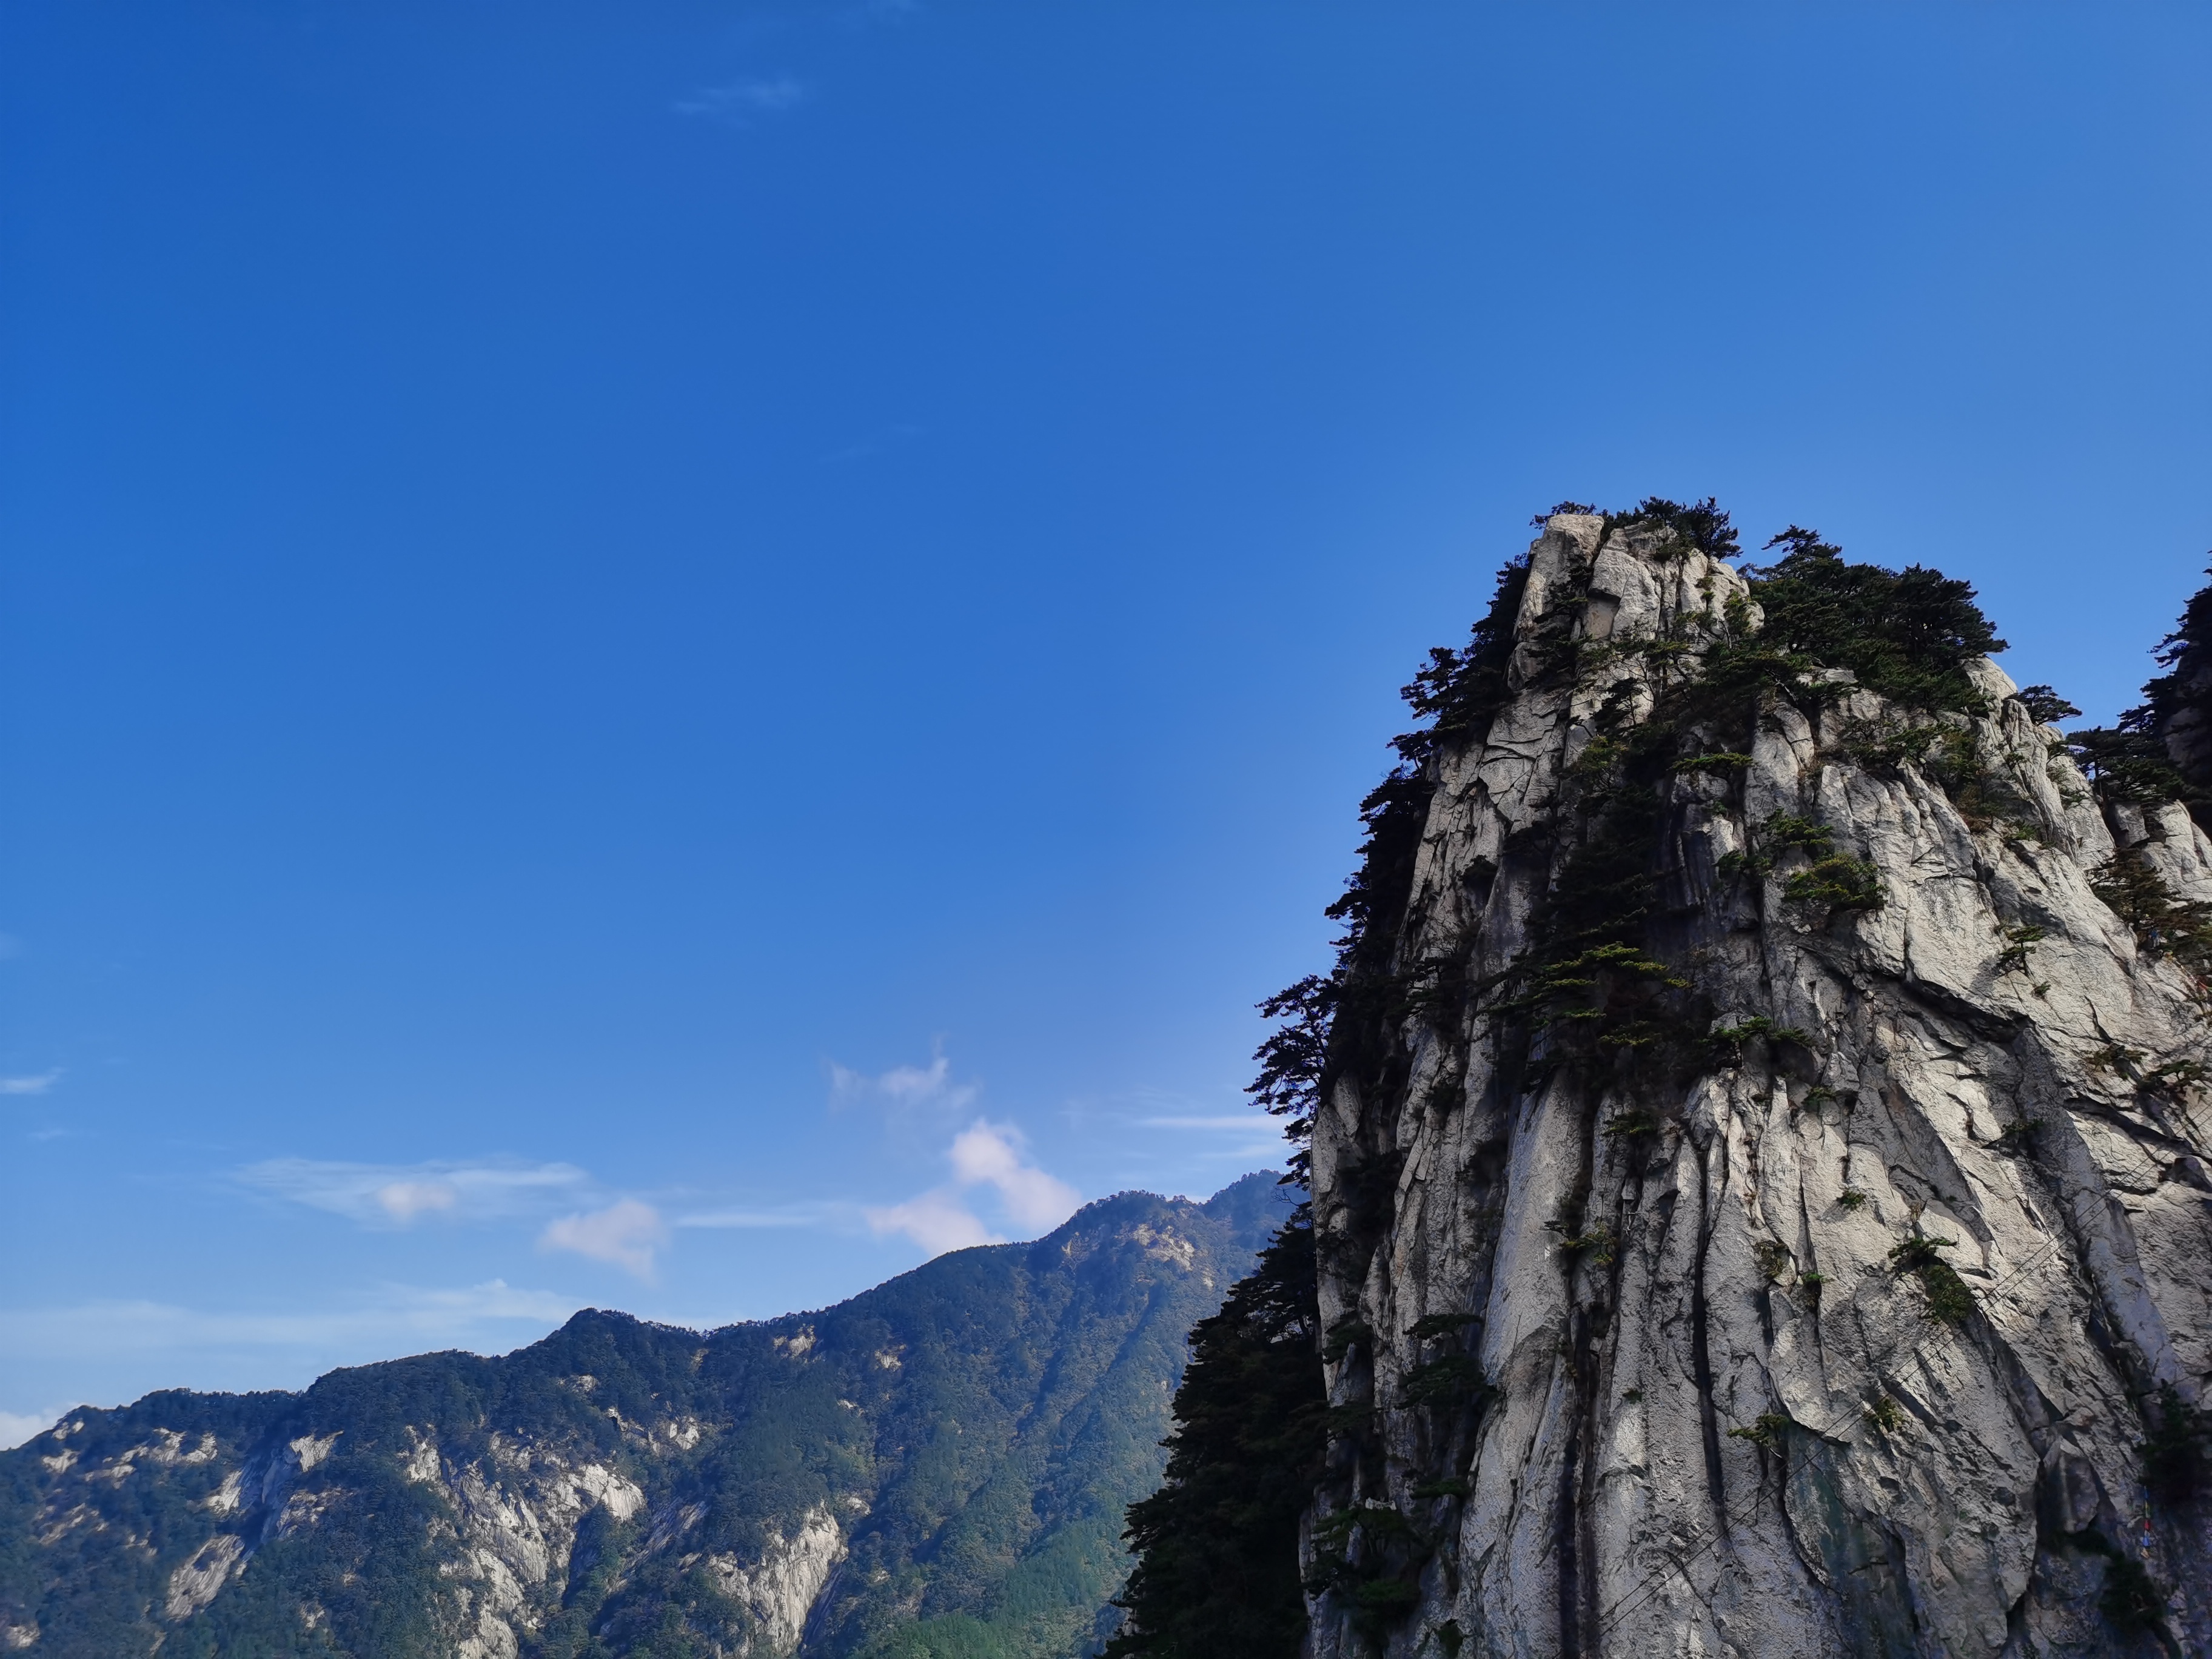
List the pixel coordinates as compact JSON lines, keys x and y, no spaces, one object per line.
{"x":663,"y":655}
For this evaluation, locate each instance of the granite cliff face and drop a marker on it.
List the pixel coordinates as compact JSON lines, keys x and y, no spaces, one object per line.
{"x":1762,"y":1190}
{"x":937,"y":1467}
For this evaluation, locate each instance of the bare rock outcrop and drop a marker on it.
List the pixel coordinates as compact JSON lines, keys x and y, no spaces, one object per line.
{"x":1771,"y":1214}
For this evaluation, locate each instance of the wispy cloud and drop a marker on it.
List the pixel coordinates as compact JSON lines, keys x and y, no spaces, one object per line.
{"x":394,"y":1196}
{"x":30,"y":1086}
{"x":988,"y":1155}
{"x":387,"y":1319}
{"x":789,"y":1215}
{"x":743,"y":103}
{"x":626,"y":1233}
{"x":937,"y":1221}
{"x":928,"y":1090}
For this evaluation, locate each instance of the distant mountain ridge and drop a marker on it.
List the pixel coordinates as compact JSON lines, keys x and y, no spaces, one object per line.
{"x":936,"y":1467}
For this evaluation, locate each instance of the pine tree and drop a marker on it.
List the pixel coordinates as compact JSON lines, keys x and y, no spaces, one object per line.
{"x":1217,"y":1547}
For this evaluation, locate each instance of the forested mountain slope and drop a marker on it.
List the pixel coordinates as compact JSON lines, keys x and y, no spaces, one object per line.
{"x":939,"y":1467}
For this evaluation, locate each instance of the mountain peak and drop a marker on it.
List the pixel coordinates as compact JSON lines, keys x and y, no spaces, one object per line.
{"x":944,"y":1459}
{"x":1760,"y":1119}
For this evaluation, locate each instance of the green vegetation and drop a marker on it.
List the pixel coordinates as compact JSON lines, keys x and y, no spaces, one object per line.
{"x":1767,"y":1432}
{"x":2163,"y":924}
{"x":2044,"y":706}
{"x":1886,"y":1415}
{"x":1701,"y":525}
{"x":1599,"y":995}
{"x":1431,"y":1327}
{"x":1907,"y":635}
{"x":1723,"y":762}
{"x":977,"y":1427}
{"x":1633,"y":1125}
{"x":1452,"y":1381}
{"x":1368,"y":1554}
{"x":1948,"y":1300}
{"x":2128,"y":763}
{"x":1458,"y":693}
{"x":1728,"y":1041}
{"x":1839,"y":882}
{"x":2018,"y":941}
{"x":2148,"y":757}
{"x":1852,"y":1199}
{"x":1217,"y":1546}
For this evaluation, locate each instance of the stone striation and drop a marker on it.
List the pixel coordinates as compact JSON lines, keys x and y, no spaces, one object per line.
{"x":1625,"y":1365}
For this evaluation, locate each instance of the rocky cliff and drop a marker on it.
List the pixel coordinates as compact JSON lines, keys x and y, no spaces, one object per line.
{"x":1761,"y":1171}
{"x":937,"y":1466}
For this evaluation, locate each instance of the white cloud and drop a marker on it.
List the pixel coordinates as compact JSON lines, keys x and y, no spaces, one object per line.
{"x":744,"y":102}
{"x":393,"y":1195}
{"x":394,"y":1316}
{"x":16,"y":1427}
{"x":402,"y":1201}
{"x":797,"y":1215}
{"x":936,"y":1220}
{"x":30,"y":1086}
{"x":990,"y":1153}
{"x":905,"y":1088}
{"x":625,"y":1233}
{"x":984,"y":1154}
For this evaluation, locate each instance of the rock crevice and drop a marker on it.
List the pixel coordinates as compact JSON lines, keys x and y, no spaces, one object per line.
{"x":1761,"y":1180}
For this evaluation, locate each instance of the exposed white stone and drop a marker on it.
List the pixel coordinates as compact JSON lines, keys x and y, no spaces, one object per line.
{"x":310,"y":1449}
{"x":1164,"y":1244}
{"x":1745,"y":1271}
{"x":194,"y":1584}
{"x":779,"y":1589}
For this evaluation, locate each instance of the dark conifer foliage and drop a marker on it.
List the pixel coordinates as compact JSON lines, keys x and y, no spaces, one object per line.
{"x":1217,"y":1547}
{"x":2161,"y":749}
{"x":1906,"y":634}
{"x":1458,"y":693}
{"x":1702,"y":524}
{"x":1217,"y":1571}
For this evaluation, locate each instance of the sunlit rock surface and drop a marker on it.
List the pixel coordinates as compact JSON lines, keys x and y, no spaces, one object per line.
{"x":1677,"y":1393}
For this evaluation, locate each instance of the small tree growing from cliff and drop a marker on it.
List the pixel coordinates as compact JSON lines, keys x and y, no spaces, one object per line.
{"x":2161,"y":749}
{"x":1906,"y":634}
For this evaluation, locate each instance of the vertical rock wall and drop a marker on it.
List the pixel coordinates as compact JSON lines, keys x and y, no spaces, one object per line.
{"x":1837,"y":1332}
